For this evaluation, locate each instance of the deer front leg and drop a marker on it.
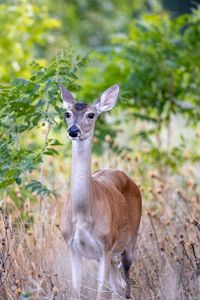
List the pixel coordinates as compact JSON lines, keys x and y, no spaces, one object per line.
{"x":76,"y":268}
{"x":103,"y":277}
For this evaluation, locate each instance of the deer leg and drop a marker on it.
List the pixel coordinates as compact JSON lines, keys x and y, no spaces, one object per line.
{"x":103,"y":277}
{"x":76,"y":269}
{"x":117,"y":283}
{"x":126,"y":259}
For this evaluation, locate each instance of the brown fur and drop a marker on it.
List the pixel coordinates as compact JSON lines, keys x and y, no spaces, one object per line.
{"x":116,"y":216}
{"x":118,"y":222}
{"x":103,"y":215}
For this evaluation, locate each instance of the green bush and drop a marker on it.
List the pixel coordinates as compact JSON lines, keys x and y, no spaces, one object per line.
{"x":27,"y":105}
{"x":157,"y":64}
{"x":26,"y":30}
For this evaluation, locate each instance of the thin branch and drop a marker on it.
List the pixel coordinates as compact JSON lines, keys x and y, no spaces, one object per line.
{"x":154,"y":231}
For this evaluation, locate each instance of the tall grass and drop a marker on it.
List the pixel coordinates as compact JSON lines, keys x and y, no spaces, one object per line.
{"x":166,"y":259}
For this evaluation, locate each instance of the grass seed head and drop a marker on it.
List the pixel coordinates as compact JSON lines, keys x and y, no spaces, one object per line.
{"x":55,"y":291}
{"x":18,"y":292}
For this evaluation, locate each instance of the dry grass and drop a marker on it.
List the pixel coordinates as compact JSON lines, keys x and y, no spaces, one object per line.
{"x":166,"y":261}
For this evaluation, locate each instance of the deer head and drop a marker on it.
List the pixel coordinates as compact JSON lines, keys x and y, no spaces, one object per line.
{"x":81,"y":116}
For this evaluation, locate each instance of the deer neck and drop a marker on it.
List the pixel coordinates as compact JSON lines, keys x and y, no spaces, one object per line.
{"x":81,"y":179}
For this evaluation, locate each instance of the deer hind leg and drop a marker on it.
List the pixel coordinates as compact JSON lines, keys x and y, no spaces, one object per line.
{"x":103,"y":277}
{"x":76,"y":268}
{"x":126,"y":260}
{"x":117,"y":283}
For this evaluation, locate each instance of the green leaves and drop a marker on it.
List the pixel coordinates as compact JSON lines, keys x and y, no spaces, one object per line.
{"x":39,"y":189}
{"x":14,"y":163}
{"x":26,"y":29}
{"x":156,"y":63}
{"x":29,"y":106}
{"x":51,"y":151}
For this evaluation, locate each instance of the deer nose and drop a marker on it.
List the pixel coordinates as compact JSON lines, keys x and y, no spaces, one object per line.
{"x":74,"y":131}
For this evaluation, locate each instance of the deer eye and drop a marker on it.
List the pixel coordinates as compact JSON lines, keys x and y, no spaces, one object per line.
{"x":67,"y":115}
{"x":91,"y":116}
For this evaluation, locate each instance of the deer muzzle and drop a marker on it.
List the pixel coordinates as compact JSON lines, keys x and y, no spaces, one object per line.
{"x":74,"y":131}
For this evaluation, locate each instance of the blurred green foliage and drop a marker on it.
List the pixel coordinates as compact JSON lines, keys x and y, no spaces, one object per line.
{"x":157,"y":65}
{"x":26,"y":33}
{"x":91,"y":23}
{"x":154,"y":58}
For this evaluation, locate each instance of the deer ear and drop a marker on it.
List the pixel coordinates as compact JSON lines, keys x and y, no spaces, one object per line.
{"x":67,"y":97}
{"x":108,"y":99}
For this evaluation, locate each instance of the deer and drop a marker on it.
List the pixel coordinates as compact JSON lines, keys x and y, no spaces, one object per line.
{"x":102,"y":217}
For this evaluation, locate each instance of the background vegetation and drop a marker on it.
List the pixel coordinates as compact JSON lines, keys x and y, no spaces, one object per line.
{"x":152,"y":50}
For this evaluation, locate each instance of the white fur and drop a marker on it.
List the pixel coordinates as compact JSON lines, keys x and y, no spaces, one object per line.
{"x":84,"y":243}
{"x":76,"y":263}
